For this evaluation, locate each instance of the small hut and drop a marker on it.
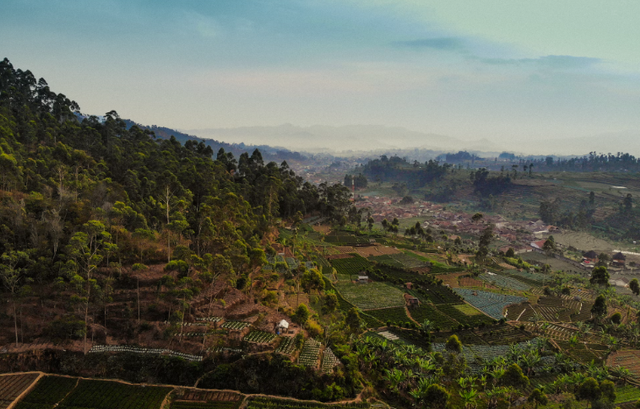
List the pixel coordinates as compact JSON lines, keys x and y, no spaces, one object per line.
{"x":283,"y":327}
{"x":590,"y":257}
{"x":619,"y":259}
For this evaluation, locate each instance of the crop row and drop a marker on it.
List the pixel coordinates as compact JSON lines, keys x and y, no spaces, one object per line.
{"x":260,"y":337}
{"x":431,"y":313}
{"x":210,"y":319}
{"x":49,"y":391}
{"x":439,"y":294}
{"x":138,"y":350}
{"x":310,"y":352}
{"x":270,"y":403}
{"x":11,"y":386}
{"x":287,"y":346}
{"x":351,"y":266}
{"x":390,"y":315}
{"x":490,"y":303}
{"x":235,"y":325}
{"x":181,"y":404}
{"x":473,"y":320}
{"x":504,"y":282}
{"x":108,"y":395}
{"x":329,"y":360}
{"x":371,"y":295}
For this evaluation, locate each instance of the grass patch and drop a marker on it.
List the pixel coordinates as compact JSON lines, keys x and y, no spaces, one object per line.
{"x":371,"y":295}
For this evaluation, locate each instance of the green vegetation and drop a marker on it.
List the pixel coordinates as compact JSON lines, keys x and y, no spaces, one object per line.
{"x":108,"y":395}
{"x":49,"y":391}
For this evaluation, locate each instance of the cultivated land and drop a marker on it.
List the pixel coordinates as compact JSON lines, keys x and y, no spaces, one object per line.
{"x":139,"y":272}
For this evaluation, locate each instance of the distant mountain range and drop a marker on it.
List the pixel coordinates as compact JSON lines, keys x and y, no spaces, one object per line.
{"x":291,"y":142}
{"x":332,"y":139}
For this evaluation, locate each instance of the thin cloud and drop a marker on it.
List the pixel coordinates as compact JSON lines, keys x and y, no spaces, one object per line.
{"x":548,"y":61}
{"x":439,"y":43}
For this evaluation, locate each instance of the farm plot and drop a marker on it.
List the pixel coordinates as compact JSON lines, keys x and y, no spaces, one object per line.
{"x":629,"y":359}
{"x":93,"y":394}
{"x":535,"y":277}
{"x":386,"y":259}
{"x":463,"y":317}
{"x":371,"y":295}
{"x":12,"y":386}
{"x":439,"y":294}
{"x":505,"y":335}
{"x":329,"y":361}
{"x":350,"y":266}
{"x":396,"y":315}
{"x":259,"y":337}
{"x":627,"y":393}
{"x":287,"y":346}
{"x":504,"y":282}
{"x":48,"y":392}
{"x":428,"y":312}
{"x":310,"y":353}
{"x":273,"y":403}
{"x":551,"y":330}
{"x":204,"y":399}
{"x":235,"y":325}
{"x":411,"y":261}
{"x":490,"y":303}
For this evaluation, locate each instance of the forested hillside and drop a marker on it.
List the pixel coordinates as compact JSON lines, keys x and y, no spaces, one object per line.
{"x":81,"y":200}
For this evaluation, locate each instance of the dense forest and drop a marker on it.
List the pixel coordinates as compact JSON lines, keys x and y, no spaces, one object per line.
{"x":396,"y":169}
{"x":77,"y":197}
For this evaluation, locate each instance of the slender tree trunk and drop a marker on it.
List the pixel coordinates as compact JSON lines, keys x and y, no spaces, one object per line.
{"x":138,"y":300}
{"x":15,"y":321}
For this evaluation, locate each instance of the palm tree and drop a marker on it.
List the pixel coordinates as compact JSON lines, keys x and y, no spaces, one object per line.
{"x":469,"y":397}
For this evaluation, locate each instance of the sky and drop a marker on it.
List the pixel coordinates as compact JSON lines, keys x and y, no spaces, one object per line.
{"x":504,"y":70}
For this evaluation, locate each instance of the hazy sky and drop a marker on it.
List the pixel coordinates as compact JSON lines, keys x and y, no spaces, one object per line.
{"x":470,"y":69}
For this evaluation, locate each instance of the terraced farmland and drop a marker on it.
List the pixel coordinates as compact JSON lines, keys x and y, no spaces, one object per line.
{"x":393,"y":315}
{"x":439,"y":294}
{"x":504,"y":282}
{"x":350,"y":266}
{"x":12,"y":386}
{"x":204,"y":399}
{"x":371,"y":295}
{"x":48,"y":392}
{"x":491,"y":304}
{"x":287,"y":346}
{"x":273,"y":403}
{"x":310,"y":353}
{"x":431,"y":313}
{"x":463,"y":317}
{"x":259,"y":337}
{"x":93,"y":394}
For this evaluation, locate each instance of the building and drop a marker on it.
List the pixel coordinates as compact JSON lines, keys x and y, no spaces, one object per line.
{"x":619,"y":260}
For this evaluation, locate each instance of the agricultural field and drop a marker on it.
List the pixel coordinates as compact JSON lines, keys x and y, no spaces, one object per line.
{"x":428,"y":312}
{"x":235,"y":325}
{"x":350,"y":266}
{"x":473,"y":320}
{"x":329,"y":361}
{"x":287,"y":346}
{"x":504,"y":282}
{"x":94,"y":394}
{"x":204,"y":399}
{"x":629,"y":359}
{"x":12,"y":386}
{"x":259,"y":337}
{"x":310,"y":353}
{"x":393,"y":315}
{"x":48,"y":392}
{"x":371,"y":295}
{"x":491,"y":304}
{"x":627,"y":393}
{"x":439,"y":294}
{"x":274,"y":403}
